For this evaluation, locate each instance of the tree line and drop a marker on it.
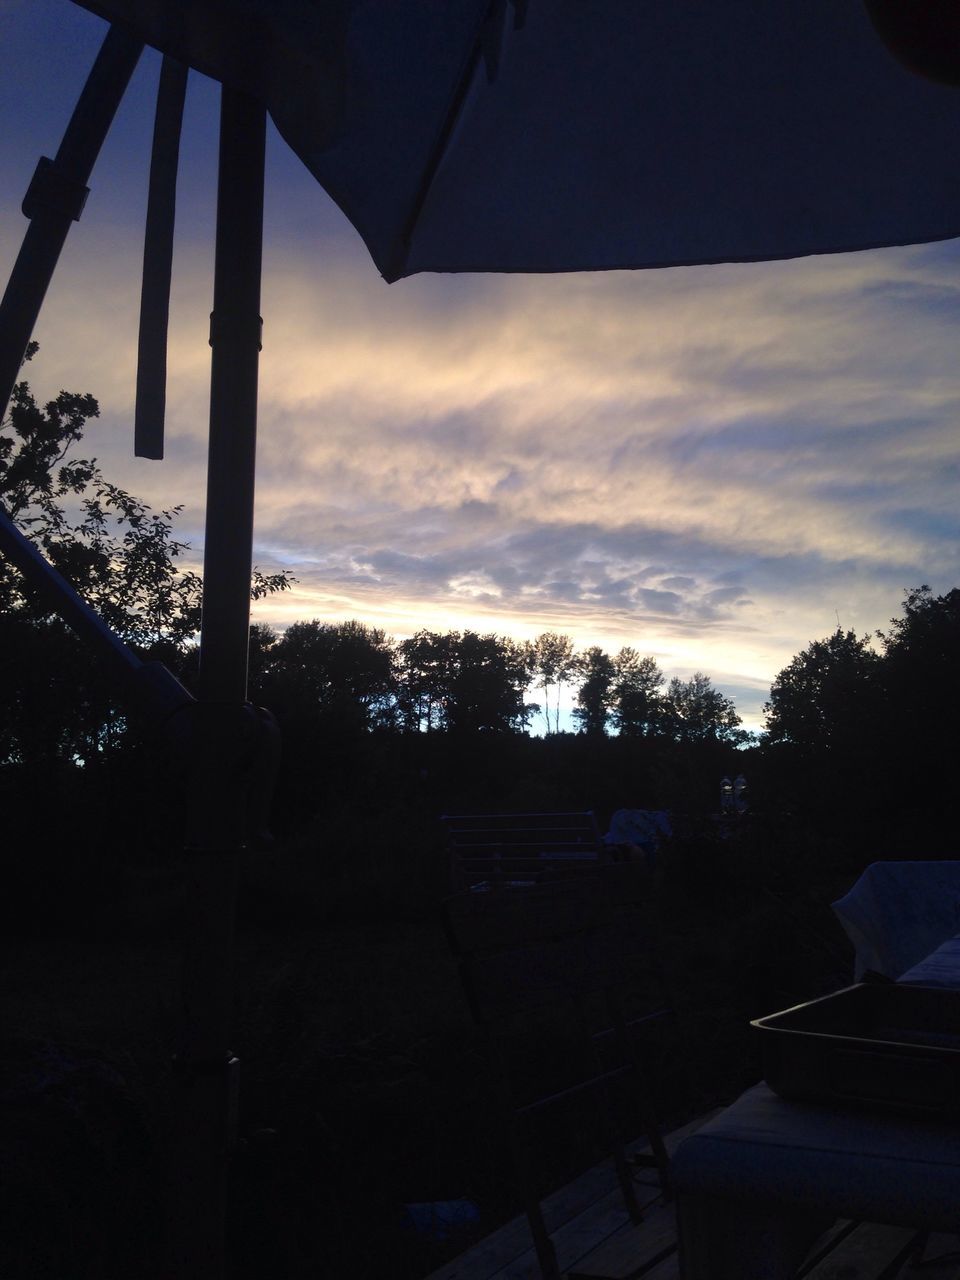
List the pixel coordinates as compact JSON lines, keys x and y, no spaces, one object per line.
{"x":862,"y":722}
{"x":868,"y":724}
{"x":465,"y":682}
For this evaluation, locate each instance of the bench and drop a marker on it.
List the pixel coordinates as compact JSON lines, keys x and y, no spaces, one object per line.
{"x":497,"y":849}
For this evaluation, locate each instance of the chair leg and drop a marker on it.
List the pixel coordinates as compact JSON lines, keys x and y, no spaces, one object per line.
{"x":526,"y":1185}
{"x":657,"y":1158}
{"x":919,"y":1248}
{"x":911,"y":1255}
{"x":546,"y":1253}
{"x":660,"y":1157}
{"x":626,"y":1185}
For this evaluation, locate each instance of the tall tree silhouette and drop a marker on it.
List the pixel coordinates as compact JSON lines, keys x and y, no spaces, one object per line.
{"x":638,"y":707}
{"x":486,"y":691}
{"x":921,"y":676}
{"x":552,"y":659}
{"x":323,"y":670}
{"x":597,"y":673}
{"x":697,"y":712}
{"x":425,"y":665}
{"x":826,"y":700}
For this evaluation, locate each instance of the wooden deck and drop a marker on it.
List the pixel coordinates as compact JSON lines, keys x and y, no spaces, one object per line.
{"x":595,"y":1240}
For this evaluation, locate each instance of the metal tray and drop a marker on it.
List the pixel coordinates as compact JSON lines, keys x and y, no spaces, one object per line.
{"x":874,"y":1044}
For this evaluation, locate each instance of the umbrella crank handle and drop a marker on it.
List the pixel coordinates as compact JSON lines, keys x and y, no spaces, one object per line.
{"x":235,"y":749}
{"x":260,"y":775}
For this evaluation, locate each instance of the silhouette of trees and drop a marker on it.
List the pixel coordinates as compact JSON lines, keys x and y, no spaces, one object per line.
{"x":825,"y":700}
{"x":921,"y":666}
{"x":120,"y":555}
{"x":866,"y":737}
{"x":627,"y":689}
{"x":263,"y":640}
{"x":339,"y":671}
{"x":921,"y":710}
{"x":488,"y":678}
{"x":638,"y":707}
{"x":697,"y":712}
{"x":552,"y":659}
{"x":461,"y":681}
{"x":840,"y":695}
{"x":464,"y":682}
{"x":597,"y":673}
{"x":424,"y":665}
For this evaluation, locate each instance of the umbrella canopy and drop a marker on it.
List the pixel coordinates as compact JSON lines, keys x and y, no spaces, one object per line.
{"x":560,"y":136}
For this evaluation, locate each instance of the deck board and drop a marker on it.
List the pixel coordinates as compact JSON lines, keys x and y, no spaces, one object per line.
{"x":587,"y":1200}
{"x":864,"y":1254}
{"x":581,"y":1236}
{"x":580,"y":1217}
{"x":633,"y":1249}
{"x":941,"y":1260}
{"x":668,"y":1269}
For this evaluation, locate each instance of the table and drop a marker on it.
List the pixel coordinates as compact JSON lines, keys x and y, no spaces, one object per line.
{"x":758,"y":1183}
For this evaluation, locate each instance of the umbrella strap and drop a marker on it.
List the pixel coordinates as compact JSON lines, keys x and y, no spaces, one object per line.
{"x":56,"y":197}
{"x":158,"y":262}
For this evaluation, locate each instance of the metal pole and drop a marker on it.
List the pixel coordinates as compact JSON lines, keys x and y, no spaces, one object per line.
{"x":235,"y":329}
{"x":149,"y":685}
{"x":56,"y":197}
{"x":206,"y":1074}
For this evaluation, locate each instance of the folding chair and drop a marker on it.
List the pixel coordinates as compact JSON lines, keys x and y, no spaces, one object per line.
{"x":521,"y":848}
{"x":553,"y":975}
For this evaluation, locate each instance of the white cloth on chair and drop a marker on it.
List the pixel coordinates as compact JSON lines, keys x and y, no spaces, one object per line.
{"x":897,"y":913}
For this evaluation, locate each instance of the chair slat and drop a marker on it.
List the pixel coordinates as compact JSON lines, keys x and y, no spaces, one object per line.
{"x":500,"y":847}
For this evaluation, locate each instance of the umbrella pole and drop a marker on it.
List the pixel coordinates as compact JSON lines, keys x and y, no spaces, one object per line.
{"x":205,"y":1077}
{"x":56,"y":197}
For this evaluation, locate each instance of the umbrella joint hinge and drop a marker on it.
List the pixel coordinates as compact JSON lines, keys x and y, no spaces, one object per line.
{"x":54,"y":191}
{"x":228,"y":327}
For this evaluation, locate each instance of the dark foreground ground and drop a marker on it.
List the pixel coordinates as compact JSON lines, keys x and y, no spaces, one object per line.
{"x":363,"y":1089}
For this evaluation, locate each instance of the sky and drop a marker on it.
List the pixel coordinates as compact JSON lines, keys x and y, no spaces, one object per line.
{"x":714,"y":465}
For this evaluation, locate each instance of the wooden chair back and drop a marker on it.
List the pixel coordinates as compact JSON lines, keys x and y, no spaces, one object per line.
{"x":560,"y":979}
{"x":521,"y":848}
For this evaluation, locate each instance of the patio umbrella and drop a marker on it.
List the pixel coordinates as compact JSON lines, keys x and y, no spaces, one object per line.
{"x":558,"y":135}
{"x":530,"y":136}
